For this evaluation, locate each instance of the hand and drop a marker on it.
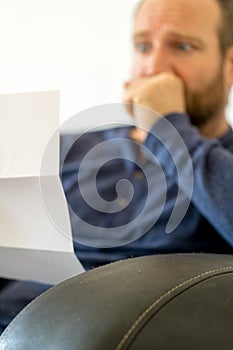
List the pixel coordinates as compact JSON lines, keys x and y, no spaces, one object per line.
{"x":161,"y":94}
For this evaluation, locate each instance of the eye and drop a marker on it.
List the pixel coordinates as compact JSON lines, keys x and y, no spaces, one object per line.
{"x":180,"y":46}
{"x":184,"y":46}
{"x":142,"y":47}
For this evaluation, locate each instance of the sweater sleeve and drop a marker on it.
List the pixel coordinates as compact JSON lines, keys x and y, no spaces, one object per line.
{"x":172,"y":138}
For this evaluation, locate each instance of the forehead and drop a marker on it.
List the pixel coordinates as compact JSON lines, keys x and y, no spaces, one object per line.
{"x":200,"y":16}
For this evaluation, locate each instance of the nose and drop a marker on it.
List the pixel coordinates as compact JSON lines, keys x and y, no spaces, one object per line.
{"x":157,"y":61}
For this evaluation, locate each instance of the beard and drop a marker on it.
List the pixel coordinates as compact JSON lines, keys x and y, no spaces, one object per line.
{"x":206,"y":105}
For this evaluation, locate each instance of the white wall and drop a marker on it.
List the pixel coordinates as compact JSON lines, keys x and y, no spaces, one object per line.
{"x":79,"y":47}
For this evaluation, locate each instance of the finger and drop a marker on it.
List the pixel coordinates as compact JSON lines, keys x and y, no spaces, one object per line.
{"x":128,"y":102}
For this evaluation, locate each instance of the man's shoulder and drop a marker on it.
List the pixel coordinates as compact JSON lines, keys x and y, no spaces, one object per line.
{"x":227,"y":140}
{"x":78,"y":144}
{"x":84,"y":136}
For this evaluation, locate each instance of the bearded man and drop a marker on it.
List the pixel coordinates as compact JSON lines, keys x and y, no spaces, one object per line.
{"x":181,"y":76}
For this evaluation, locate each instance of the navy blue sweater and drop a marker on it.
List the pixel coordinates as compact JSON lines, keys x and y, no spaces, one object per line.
{"x":177,"y":171}
{"x":176,"y":197}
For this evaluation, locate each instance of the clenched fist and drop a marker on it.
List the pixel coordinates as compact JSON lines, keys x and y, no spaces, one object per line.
{"x":161,"y":94}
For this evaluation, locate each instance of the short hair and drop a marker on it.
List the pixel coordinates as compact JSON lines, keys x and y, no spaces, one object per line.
{"x":226,"y":26}
{"x":225,"y":30}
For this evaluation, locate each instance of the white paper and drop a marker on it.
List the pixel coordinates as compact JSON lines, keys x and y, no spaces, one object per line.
{"x":36,"y":239}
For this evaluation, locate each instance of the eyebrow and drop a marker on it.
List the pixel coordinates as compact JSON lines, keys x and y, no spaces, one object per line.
{"x":187,"y":37}
{"x":175,"y":34}
{"x":140,"y":34}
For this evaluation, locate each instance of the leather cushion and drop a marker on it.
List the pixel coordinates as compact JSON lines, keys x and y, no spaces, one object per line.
{"x":175,"y":301}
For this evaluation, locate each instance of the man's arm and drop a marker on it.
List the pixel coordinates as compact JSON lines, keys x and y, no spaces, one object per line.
{"x":163,"y":95}
{"x":212,"y":169}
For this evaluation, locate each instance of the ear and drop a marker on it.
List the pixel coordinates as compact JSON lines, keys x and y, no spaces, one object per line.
{"x":228,"y":71}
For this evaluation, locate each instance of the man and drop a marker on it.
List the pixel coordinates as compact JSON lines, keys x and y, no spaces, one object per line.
{"x":173,"y":67}
{"x":182,"y":70}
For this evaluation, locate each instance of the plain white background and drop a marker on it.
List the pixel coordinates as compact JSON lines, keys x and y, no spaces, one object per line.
{"x":80,"y":47}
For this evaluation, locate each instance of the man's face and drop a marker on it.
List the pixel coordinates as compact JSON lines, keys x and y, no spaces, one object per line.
{"x":181,"y":37}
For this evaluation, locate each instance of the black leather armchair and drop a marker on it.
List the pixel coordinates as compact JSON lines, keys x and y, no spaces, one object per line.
{"x":176,"y":301}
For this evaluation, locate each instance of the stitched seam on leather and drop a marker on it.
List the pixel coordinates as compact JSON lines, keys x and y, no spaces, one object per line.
{"x":156,"y":302}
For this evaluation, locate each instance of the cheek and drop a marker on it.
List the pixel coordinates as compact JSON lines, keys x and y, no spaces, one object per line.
{"x":137,"y":67}
{"x":195,"y":78}
{"x":201,"y":72}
